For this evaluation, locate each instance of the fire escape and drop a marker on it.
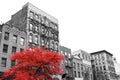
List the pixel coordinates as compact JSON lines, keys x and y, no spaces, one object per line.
{"x":69,"y":68}
{"x":48,"y":33}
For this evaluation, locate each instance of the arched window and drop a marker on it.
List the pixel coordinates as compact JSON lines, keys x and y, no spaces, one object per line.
{"x":36,"y":39}
{"x":30,"y":39}
{"x":36,"y":28}
{"x":56,"y":46}
{"x":22,"y":40}
{"x":31,"y":26}
{"x":42,"y":42}
{"x":31,"y":14}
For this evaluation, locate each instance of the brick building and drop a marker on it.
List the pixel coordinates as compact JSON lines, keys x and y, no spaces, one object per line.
{"x":41,"y":28}
{"x":103,"y":65}
{"x":31,"y":27}
{"x":67,"y":64}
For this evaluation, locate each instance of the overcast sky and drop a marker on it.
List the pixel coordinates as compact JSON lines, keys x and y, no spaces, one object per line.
{"x":90,"y":25}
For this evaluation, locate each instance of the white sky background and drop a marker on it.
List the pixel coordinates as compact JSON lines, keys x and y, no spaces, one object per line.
{"x":90,"y":25}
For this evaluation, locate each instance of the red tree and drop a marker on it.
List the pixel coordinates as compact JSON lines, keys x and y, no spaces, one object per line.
{"x":34,"y":64}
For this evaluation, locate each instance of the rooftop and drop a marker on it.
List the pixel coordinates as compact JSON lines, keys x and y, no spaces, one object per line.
{"x":102,"y":51}
{"x":39,"y":11}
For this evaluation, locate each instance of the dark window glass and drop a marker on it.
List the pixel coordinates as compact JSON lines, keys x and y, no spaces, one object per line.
{"x":75,"y":74}
{"x":78,"y":65}
{"x":14,"y":49}
{"x":79,"y":74}
{"x":13,"y":63}
{"x":74,"y":65}
{"x":4,"y":61}
{"x":5,"y":48}
{"x":21,"y":49}
{"x":6,"y":36}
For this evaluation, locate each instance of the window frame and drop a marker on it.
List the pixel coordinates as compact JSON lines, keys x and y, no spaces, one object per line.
{"x":5,"y":50}
{"x":36,"y":40}
{"x":14,"y":49}
{"x":22,"y":41}
{"x":15,"y":38}
{"x":31,"y":14}
{"x":6,"y":36}
{"x":30,"y":38}
{"x":3,"y":62}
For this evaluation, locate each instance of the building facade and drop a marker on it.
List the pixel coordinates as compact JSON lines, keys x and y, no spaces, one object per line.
{"x":117,"y":68}
{"x":77,"y":67}
{"x":41,"y":28}
{"x":11,"y":41}
{"x":103,"y":66}
{"x":86,"y":64}
{"x":67,"y":64}
{"x":31,"y":27}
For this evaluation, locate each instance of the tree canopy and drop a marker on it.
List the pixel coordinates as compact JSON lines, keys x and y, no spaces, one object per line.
{"x":34,"y":64}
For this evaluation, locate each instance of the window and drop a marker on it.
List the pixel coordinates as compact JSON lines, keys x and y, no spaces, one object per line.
{"x":36,"y":40}
{"x":36,"y":16}
{"x":56,"y":46}
{"x":83,"y":56}
{"x":104,"y":67}
{"x":31,"y":27}
{"x":79,"y":74}
{"x":69,"y":55}
{"x":47,"y":43}
{"x":97,"y":69}
{"x":5,"y":48}
{"x":31,"y":14}
{"x":65,"y":53}
{"x":75,"y":74}
{"x":66,"y":71}
{"x":4,"y":61}
{"x":21,"y":49}
{"x":56,"y":27}
{"x":81,"y":66}
{"x":79,"y":55}
{"x":42,"y":30}
{"x":36,"y":28}
{"x":6,"y":37}
{"x":13,"y":63}
{"x":74,"y":65}
{"x":42,"y":20}
{"x":100,"y":68}
{"x":52,"y":44}
{"x":22,"y":40}
{"x":30,"y":38}
{"x":14,"y":49}
{"x":43,"y":42}
{"x":66,"y":62}
{"x":52,"y":25}
{"x":78,"y":66}
{"x":61,"y":52}
{"x":47,"y":22}
{"x":15,"y":38}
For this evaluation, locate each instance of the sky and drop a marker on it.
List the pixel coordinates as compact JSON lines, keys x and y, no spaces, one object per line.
{"x":90,"y":25}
